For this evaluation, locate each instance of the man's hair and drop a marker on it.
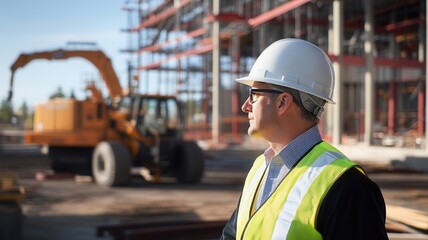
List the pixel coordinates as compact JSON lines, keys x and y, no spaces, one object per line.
{"x":304,"y":113}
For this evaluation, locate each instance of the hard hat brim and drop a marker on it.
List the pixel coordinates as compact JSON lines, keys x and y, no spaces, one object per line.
{"x":249,"y":81}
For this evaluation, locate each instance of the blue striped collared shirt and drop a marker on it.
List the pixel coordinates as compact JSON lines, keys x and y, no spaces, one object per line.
{"x":279,"y":165}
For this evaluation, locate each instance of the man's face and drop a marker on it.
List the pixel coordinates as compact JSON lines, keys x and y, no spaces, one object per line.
{"x":262,"y":112}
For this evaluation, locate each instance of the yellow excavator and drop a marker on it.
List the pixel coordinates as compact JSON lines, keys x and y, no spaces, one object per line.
{"x":115,"y":137}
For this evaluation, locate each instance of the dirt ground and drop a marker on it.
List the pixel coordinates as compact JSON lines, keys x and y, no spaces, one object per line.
{"x":62,"y":208}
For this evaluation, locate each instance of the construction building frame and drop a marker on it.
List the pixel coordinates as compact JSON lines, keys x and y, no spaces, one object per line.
{"x":195,"y":50}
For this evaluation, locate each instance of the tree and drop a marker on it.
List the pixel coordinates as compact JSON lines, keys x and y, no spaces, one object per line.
{"x":72,"y":95}
{"x":26,"y":117}
{"x":58,"y":94}
{"x":6,"y":111}
{"x":24,"y":111}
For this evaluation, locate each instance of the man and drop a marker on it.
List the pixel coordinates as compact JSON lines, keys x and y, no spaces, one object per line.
{"x":301,"y":187}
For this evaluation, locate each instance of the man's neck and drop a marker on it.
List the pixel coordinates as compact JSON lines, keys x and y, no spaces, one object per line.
{"x":288,"y":137}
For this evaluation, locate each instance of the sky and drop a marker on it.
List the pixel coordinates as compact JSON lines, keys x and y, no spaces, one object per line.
{"x":40,"y":25}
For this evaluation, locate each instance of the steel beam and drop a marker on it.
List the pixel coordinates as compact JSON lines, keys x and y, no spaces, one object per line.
{"x":275,"y":12}
{"x":192,"y":34}
{"x":194,"y":51}
{"x":405,"y":24}
{"x":152,"y":20}
{"x":380,"y":61}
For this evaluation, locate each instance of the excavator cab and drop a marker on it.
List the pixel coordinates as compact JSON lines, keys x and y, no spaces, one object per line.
{"x":158,"y":114}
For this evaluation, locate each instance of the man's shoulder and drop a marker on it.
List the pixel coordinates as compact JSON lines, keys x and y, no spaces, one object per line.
{"x":354,"y":180}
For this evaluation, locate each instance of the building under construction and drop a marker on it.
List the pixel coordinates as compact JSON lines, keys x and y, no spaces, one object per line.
{"x":195,"y":50}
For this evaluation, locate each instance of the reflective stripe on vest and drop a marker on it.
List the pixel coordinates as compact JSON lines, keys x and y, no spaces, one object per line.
{"x":252,"y":183}
{"x":290,"y":212}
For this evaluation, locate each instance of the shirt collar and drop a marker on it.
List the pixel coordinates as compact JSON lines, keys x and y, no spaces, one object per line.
{"x":295,"y":150}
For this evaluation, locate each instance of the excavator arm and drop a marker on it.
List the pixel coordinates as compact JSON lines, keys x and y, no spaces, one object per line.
{"x":96,"y":57}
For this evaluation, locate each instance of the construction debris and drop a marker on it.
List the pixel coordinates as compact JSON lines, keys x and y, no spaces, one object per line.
{"x":10,"y":210}
{"x":411,"y":217}
{"x":407,"y":236}
{"x":9,"y":190}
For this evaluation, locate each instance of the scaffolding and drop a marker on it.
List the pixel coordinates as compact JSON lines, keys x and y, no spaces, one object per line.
{"x":195,"y":50}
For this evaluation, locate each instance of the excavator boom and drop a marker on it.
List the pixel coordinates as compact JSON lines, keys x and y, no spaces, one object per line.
{"x":96,"y":57}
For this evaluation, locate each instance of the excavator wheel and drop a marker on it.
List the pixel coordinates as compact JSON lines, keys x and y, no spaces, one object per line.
{"x":111,"y":164}
{"x":190,"y":164}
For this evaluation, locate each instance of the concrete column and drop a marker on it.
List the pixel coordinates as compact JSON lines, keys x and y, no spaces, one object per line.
{"x":327,"y":121}
{"x":421,"y":33}
{"x":426,"y":80}
{"x":298,"y":22}
{"x":421,"y":58}
{"x":264,"y":30}
{"x":369,"y":72}
{"x":215,"y":125}
{"x":421,"y":97}
{"x":337,"y":49}
{"x":235,"y":57}
{"x":391,"y":106}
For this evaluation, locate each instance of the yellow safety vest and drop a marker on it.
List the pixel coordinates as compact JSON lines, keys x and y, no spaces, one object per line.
{"x":290,"y":212}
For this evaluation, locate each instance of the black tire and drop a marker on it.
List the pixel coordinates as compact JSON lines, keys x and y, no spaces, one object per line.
{"x":111,"y":164}
{"x":190,"y":165}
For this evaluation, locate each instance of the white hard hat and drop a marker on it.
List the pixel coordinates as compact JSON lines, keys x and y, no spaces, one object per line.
{"x":296,"y":64}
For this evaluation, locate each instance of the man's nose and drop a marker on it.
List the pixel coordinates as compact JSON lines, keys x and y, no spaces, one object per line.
{"x":247,"y":106}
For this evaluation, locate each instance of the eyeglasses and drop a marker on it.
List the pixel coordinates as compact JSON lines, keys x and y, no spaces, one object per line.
{"x":256,"y":91}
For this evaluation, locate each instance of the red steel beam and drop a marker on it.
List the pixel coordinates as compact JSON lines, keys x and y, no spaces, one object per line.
{"x":150,"y":66}
{"x":404,"y":24}
{"x":194,"y":51}
{"x":273,"y":13}
{"x":192,"y":34}
{"x":378,"y":61}
{"x":399,"y":63}
{"x":161,"y":16}
{"x":224,"y":17}
{"x":353,"y":60}
{"x":349,"y":60}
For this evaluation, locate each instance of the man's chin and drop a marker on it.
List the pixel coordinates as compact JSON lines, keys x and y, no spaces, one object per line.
{"x":252,"y":133}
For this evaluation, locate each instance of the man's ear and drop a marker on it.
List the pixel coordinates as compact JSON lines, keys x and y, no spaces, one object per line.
{"x":284,"y":102}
